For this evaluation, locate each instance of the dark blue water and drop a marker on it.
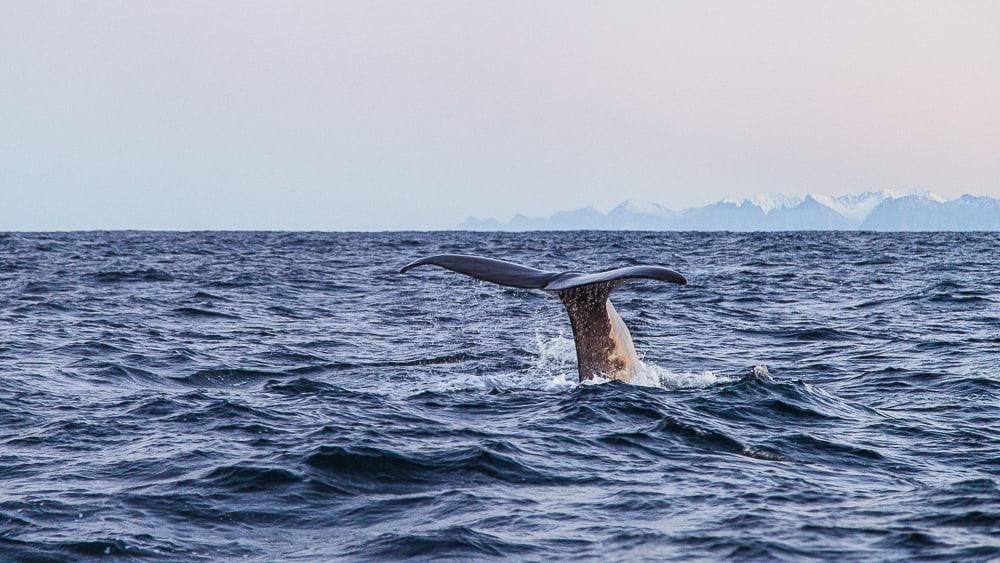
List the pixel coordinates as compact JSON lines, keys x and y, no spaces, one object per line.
{"x":290,"y":396}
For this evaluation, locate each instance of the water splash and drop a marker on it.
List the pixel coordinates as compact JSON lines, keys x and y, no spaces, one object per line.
{"x":652,"y":375}
{"x":556,"y":360}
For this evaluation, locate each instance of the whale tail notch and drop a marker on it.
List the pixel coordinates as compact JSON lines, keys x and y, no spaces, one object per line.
{"x":603,"y":343}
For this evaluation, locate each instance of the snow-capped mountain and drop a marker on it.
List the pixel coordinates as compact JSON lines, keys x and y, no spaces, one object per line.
{"x":767,"y":202}
{"x":638,"y":206}
{"x":857,"y":207}
{"x":639,"y":215}
{"x":884,"y":210}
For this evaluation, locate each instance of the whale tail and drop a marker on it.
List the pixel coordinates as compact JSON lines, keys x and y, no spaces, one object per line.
{"x":603,"y":343}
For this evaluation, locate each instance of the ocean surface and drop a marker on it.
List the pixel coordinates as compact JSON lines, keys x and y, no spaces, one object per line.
{"x":186,"y":396}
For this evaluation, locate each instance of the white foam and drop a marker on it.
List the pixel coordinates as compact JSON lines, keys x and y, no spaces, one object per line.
{"x":556,"y":360}
{"x":652,"y":375}
{"x":553,"y":368}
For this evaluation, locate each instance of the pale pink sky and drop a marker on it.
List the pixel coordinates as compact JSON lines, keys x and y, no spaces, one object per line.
{"x":325,"y":115}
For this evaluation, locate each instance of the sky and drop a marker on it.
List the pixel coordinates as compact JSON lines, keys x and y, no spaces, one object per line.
{"x":373,"y":115}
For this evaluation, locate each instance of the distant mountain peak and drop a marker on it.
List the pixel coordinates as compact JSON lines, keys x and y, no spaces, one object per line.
{"x":641,"y":207}
{"x":766,"y":202}
{"x":922,"y":194}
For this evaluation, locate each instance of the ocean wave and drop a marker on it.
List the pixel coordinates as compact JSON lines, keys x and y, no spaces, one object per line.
{"x":127,"y":276}
{"x":244,"y":478}
{"x":365,"y":468}
{"x":197,"y":312}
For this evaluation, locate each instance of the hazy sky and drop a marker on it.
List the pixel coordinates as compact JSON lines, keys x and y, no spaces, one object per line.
{"x":326,"y":115}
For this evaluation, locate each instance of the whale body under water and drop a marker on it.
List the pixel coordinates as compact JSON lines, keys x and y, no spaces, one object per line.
{"x":603,"y":343}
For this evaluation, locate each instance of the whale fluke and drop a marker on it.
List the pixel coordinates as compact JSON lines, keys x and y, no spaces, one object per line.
{"x":603,"y":343}
{"x":515,"y":275}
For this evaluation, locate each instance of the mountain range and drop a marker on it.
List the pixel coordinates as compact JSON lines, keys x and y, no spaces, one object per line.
{"x":885,"y":210}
